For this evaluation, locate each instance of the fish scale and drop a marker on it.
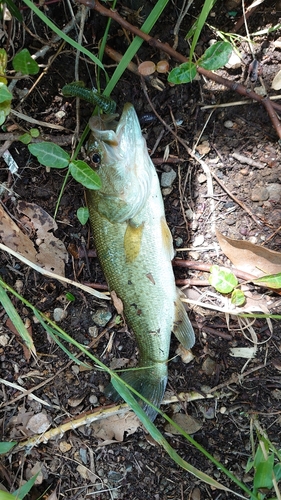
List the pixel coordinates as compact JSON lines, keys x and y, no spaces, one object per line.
{"x":134,"y":247}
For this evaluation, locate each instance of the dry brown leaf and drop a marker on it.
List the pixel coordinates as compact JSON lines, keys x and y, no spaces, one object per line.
{"x":250,"y":258}
{"x":38,"y":423}
{"x":52,"y":253}
{"x":186,"y":422}
{"x":116,"y":426}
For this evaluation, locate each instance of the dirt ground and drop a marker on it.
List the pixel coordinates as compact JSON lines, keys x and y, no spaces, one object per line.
{"x":92,"y":461}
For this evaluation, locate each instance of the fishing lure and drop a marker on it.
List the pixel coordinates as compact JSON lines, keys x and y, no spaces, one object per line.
{"x":78,"y":89}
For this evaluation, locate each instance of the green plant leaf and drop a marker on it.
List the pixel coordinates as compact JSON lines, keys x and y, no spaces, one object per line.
{"x":25,"y":138}
{"x":16,"y":319}
{"x":34,"y":132}
{"x":263,"y":474}
{"x":84,"y":174}
{"x":6,"y":496}
{"x":237,"y":297}
{"x":5,"y":108}
{"x":184,"y":73}
{"x":222,"y":280}
{"x":83,"y":215}
{"x":5,"y":94}
{"x":69,"y":296}
{"x":277,"y":471}
{"x":216,"y":56}
{"x":50,"y":154}
{"x":24,"y":63}
{"x":270,"y":281}
{"x":6,"y":446}
{"x":25,"y":488}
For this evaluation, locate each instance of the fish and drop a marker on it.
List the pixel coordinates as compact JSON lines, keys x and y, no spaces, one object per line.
{"x":135,"y":249}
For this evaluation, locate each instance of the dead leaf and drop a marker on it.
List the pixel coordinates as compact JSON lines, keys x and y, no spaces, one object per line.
{"x":186,"y":422}
{"x":27,"y":352}
{"x":118,"y":304}
{"x":276,"y":83}
{"x":39,"y":423}
{"x":116,"y":426}
{"x":52,"y":253}
{"x":250,"y":258}
{"x":87,"y":474}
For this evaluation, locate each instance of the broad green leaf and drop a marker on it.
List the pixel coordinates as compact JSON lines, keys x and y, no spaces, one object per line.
{"x":5,"y":94}
{"x":270,"y":281}
{"x":216,"y":56}
{"x":13,"y":10}
{"x":25,"y":488}
{"x":184,"y":73}
{"x":6,"y":446}
{"x":5,"y":108}
{"x":84,"y":174}
{"x":83,"y":215}
{"x":259,"y":456}
{"x":222,"y":280}
{"x":25,"y":138}
{"x":50,"y":154}
{"x":237,"y":297}
{"x":16,"y":319}
{"x":24,"y":63}
{"x":263,"y":474}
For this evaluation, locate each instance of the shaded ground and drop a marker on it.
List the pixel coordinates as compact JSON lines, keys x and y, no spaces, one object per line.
{"x":137,"y":468}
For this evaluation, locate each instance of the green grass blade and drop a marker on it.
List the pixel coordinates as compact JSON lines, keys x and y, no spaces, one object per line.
{"x":16,"y":319}
{"x":208,"y":4}
{"x":62,"y":35}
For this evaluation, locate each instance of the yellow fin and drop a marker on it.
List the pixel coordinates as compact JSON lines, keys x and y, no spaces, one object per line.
{"x":167,"y":239}
{"x":132,"y":241}
{"x":182,"y":327}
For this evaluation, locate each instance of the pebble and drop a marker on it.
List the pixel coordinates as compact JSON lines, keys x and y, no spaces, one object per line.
{"x":259,"y":193}
{"x":167,"y":178}
{"x":228,"y":124}
{"x":59,"y":314}
{"x":234,"y":61}
{"x":101,"y":317}
{"x":178,"y":242}
{"x":274,"y":191}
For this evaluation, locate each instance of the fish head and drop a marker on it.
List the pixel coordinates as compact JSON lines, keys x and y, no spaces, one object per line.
{"x":119,"y":154}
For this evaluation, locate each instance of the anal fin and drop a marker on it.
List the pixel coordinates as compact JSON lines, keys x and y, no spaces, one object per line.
{"x":182,"y":327}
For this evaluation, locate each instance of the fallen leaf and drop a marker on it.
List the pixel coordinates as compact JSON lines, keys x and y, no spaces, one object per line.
{"x":39,"y":423}
{"x":186,"y":422}
{"x":87,"y":474}
{"x":276,"y":82}
{"x":116,"y":426}
{"x":250,"y":258}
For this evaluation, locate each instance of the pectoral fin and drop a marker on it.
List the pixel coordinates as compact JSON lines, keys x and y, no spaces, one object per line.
{"x":182,"y":327}
{"x":132,"y":241}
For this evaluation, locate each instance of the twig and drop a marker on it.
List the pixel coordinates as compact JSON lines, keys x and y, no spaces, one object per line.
{"x":237,"y":87}
{"x":200,"y":266}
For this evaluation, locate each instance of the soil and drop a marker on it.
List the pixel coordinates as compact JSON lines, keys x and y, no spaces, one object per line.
{"x":80,"y":464}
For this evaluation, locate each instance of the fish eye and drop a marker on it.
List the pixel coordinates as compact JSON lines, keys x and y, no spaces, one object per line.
{"x":96,"y":158}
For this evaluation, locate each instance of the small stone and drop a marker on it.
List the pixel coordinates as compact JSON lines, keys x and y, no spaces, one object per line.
{"x":198,"y":240}
{"x":178,"y":242}
{"x":101,"y":317}
{"x":59,"y":314}
{"x":93,"y":399}
{"x":228,"y":124}
{"x":202,"y":178}
{"x":167,"y":178}
{"x":93,"y":331}
{"x":234,"y":61}
{"x":189,"y":214}
{"x":244,"y":171}
{"x":259,"y":193}
{"x":274,"y":191}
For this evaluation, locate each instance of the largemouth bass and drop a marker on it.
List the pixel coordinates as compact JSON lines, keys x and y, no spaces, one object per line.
{"x":135,"y":249}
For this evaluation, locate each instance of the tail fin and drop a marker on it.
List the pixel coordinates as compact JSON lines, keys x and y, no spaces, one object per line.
{"x":150,"y":385}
